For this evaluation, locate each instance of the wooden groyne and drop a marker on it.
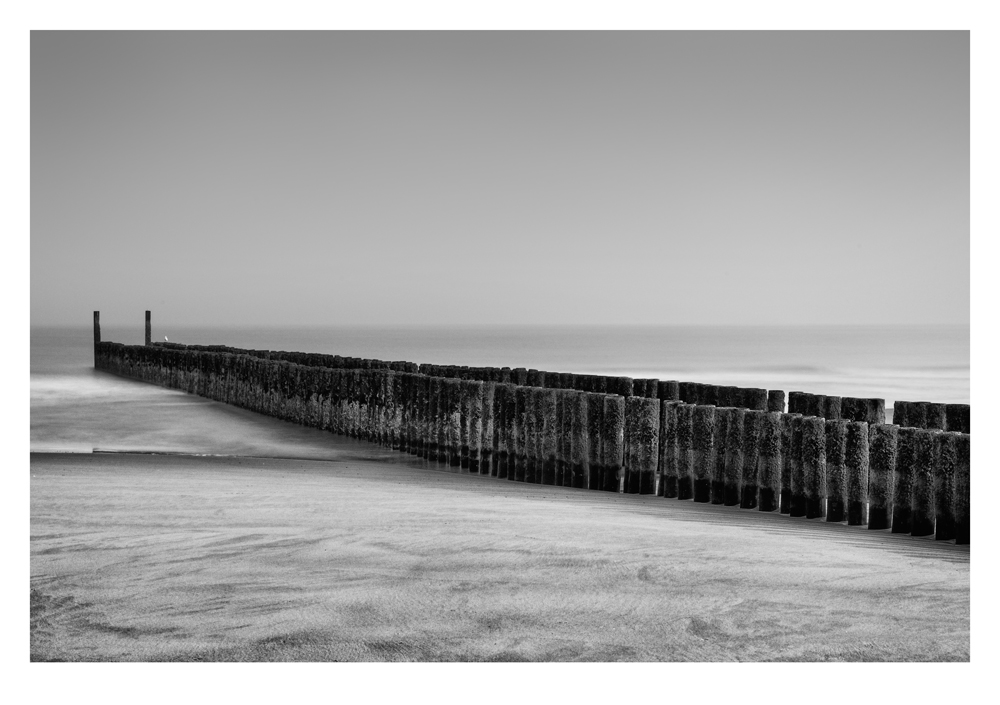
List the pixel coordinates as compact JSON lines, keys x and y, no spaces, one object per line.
{"x":826,"y":457}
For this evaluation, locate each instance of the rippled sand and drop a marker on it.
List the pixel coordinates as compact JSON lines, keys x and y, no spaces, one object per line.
{"x":377,"y":556}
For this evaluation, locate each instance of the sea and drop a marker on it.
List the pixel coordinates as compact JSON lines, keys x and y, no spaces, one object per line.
{"x":77,"y":409}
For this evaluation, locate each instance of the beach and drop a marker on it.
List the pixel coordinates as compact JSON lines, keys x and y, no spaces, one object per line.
{"x":377,"y":556}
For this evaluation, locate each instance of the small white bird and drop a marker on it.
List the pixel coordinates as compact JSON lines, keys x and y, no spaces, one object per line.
{"x":166,"y":338}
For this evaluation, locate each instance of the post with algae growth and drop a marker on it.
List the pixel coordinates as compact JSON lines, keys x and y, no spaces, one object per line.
{"x":883,"y":447}
{"x":703,"y":445}
{"x":856,"y":453}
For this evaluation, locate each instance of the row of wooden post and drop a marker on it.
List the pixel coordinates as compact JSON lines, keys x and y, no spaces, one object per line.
{"x":907,"y":479}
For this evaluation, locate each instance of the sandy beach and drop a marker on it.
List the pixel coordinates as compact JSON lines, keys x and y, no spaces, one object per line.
{"x":377,"y":556}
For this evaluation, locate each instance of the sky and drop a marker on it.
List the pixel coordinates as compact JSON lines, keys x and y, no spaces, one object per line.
{"x":428,"y":178}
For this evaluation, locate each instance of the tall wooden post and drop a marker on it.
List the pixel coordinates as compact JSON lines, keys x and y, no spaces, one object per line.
{"x":97,"y":333}
{"x":149,"y":329}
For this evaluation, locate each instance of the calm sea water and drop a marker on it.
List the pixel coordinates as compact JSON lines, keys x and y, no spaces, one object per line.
{"x":77,"y":409}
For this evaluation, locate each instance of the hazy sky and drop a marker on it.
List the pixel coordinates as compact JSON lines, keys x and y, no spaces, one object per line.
{"x":423,"y":177}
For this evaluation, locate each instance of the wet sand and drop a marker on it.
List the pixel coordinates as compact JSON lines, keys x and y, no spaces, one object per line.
{"x":376,"y":556}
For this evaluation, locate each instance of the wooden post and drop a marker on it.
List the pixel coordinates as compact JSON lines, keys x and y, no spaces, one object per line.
{"x":899,"y":413}
{"x":703,"y":442}
{"x":595,"y":430}
{"x":752,"y":432}
{"x":957,"y":417}
{"x":831,"y":408}
{"x":475,"y":425}
{"x":883,"y":449}
{"x":962,"y":489}
{"x":836,"y":469}
{"x":486,"y":443}
{"x":734,"y":457}
{"x":521,"y":407}
{"x":916,"y":414}
{"x":578,"y":467}
{"x":149,"y":329}
{"x":797,"y":503}
{"x":787,"y":437}
{"x":770,"y":463}
{"x":465,"y":416}
{"x":814,"y":464}
{"x":685,"y":451}
{"x":902,"y":486}
{"x":935,"y":416}
{"x":503,"y":399}
{"x":924,"y":461}
{"x":643,"y":429}
{"x":720,"y":442}
{"x":97,"y":334}
{"x":669,"y":390}
{"x":564,"y":439}
{"x":612,"y":441}
{"x":668,"y":449}
{"x":549,"y":436}
{"x":856,"y":453}
{"x":755,"y":399}
{"x":532,"y":407}
{"x":776,"y":400}
{"x":944,"y":485}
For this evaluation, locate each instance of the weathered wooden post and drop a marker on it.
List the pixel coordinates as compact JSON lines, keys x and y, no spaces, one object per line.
{"x":595,"y":429}
{"x":856,"y":453}
{"x":935,"y":416}
{"x":916,"y":414}
{"x":755,"y":399}
{"x":924,"y":461}
{"x":535,"y":436}
{"x":465,"y":414}
{"x":814,"y":464}
{"x":882,"y":454}
{"x":455,"y":416}
{"x":550,"y":436}
{"x":902,"y":486}
{"x":899,"y":413}
{"x":753,"y":429}
{"x":643,"y":428}
{"x":521,"y":407}
{"x":787,"y":437}
{"x":563,"y":437}
{"x":836,"y":468}
{"x":149,"y":329}
{"x":612,"y":441}
{"x":962,"y":489}
{"x":97,"y":334}
{"x":831,"y":408}
{"x":503,"y":399}
{"x":669,"y":390}
{"x":578,"y":468}
{"x":475,"y":425}
{"x":797,"y":481}
{"x":776,"y":400}
{"x":668,"y":449}
{"x":770,"y":463}
{"x":685,"y":451}
{"x":734,"y":457}
{"x":944,"y":485}
{"x":487,"y":448}
{"x":957,"y":417}
{"x":720,"y":442}
{"x":703,"y":442}
{"x":431,"y":447}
